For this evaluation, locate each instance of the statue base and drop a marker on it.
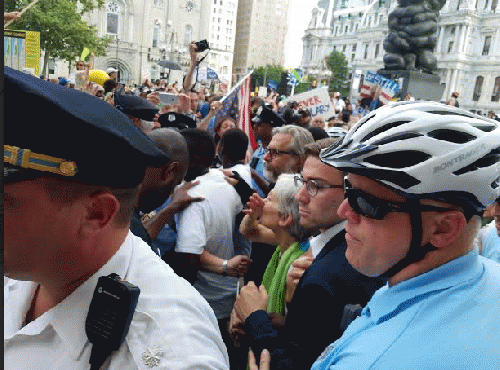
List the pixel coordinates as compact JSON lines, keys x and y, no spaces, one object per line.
{"x":420,"y":85}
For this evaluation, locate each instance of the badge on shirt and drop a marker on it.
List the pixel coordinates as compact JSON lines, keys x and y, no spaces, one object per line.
{"x":152,"y":356}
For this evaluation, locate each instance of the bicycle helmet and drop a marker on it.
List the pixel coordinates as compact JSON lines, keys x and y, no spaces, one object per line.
{"x":425,"y":150}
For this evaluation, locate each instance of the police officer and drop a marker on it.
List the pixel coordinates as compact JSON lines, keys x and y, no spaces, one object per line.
{"x":138,"y":109}
{"x":262,"y":125}
{"x":71,"y":182}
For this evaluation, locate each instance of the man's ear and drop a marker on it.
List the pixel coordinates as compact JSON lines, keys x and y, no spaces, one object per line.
{"x":445,"y":227}
{"x":170,"y":171}
{"x":100,"y":211}
{"x":285,"y":220}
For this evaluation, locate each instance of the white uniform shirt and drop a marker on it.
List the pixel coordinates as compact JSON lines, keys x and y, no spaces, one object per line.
{"x":173,"y":327}
{"x":208,"y":225}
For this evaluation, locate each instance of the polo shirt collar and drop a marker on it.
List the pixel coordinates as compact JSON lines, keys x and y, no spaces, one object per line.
{"x":392,"y":300}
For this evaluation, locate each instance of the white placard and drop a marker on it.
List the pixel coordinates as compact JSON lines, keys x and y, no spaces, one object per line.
{"x":316,"y":101}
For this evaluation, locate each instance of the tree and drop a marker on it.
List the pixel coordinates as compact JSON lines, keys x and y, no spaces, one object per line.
{"x":261,"y":75}
{"x":63,"y":33}
{"x":339,"y":81}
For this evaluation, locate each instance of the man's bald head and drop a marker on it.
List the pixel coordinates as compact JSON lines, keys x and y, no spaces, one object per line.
{"x":173,"y":144}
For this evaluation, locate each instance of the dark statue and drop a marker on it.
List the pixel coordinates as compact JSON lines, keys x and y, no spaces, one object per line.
{"x":412,"y":35}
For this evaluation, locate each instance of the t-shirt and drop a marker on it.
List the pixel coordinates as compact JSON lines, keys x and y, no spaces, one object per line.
{"x":209,"y":225}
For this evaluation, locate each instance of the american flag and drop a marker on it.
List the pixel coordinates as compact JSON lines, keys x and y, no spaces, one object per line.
{"x":236,"y":104}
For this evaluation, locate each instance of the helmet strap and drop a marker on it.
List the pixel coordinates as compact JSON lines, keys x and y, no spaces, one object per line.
{"x":415,"y":252}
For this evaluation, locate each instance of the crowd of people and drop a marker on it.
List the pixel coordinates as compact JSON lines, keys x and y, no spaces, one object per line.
{"x":352,"y":243}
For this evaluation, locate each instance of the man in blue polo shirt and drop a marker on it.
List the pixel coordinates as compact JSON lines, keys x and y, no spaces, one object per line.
{"x":419,"y":177}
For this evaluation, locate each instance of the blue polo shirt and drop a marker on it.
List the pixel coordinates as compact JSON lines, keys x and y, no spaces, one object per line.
{"x":447,"y":318}
{"x":491,"y":245}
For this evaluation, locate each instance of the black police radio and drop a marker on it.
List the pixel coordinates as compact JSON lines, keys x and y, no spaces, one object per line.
{"x":109,"y":317}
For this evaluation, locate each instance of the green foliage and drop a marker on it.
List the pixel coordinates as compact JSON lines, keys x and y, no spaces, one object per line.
{"x":339,"y":81}
{"x":269,"y":72}
{"x":63,"y":33}
{"x":302,"y":87}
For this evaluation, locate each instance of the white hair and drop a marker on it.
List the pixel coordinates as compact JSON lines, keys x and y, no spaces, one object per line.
{"x":300,"y":138}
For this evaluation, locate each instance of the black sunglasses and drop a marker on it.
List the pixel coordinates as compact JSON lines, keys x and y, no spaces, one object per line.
{"x":375,"y":208}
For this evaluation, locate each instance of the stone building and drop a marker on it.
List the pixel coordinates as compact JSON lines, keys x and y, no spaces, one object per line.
{"x":147,"y":31}
{"x":468,"y":48}
{"x":260,"y":37}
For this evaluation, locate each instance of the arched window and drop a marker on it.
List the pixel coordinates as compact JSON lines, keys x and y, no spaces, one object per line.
{"x":477,"y":88}
{"x":188,"y":34}
{"x":113,"y":11}
{"x":496,"y":90}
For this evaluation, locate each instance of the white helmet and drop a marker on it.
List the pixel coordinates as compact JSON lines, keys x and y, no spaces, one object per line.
{"x":425,"y":150}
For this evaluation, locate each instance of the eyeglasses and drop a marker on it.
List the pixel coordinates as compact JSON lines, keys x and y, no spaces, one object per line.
{"x":312,"y":186}
{"x":375,"y":208}
{"x":274,"y":152}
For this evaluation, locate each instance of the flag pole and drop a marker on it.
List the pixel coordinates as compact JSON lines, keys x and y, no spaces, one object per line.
{"x":21,"y":13}
{"x":236,"y":86}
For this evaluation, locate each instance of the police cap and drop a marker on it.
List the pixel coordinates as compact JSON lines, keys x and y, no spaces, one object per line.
{"x":176,"y":120}
{"x":72,"y":135}
{"x":266,"y":115}
{"x":135,"y":106}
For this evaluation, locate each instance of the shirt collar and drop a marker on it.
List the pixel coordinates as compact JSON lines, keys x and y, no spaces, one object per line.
{"x":388,"y":300}
{"x":68,"y":317}
{"x":319,"y":241}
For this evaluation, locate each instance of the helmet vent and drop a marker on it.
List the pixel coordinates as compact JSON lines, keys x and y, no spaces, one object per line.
{"x":396,"y":137}
{"x":383,"y":128}
{"x":488,"y":128}
{"x":453,"y":136}
{"x":495,"y":184}
{"x":453,"y":113}
{"x":398,"y":159}
{"x":488,"y":160}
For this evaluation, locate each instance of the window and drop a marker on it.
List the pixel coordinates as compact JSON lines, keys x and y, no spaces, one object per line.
{"x":496,"y":90}
{"x":159,"y":3}
{"x":450,"y":47}
{"x":343,"y":48}
{"x":477,"y":88}
{"x":377,"y":50}
{"x":346,"y":29}
{"x":188,"y":31}
{"x":113,"y":10}
{"x":494,"y":4}
{"x":156,"y":35}
{"x":367,"y":46}
{"x":487,"y":44}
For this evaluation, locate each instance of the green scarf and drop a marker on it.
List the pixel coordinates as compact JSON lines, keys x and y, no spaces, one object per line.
{"x":274,"y":279}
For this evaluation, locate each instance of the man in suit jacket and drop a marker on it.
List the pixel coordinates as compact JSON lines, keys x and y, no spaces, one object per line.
{"x":325,"y":287}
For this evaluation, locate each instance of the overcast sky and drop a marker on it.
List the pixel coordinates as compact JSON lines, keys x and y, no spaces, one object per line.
{"x":299,"y":15}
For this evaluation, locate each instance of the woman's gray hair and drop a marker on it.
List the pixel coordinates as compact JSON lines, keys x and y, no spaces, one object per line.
{"x":300,"y":138}
{"x":285,"y":191}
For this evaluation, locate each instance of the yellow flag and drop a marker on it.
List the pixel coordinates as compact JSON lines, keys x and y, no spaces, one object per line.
{"x":85,"y":52}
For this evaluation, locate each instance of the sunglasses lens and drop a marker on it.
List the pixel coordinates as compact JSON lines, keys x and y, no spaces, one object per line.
{"x":364,"y":206}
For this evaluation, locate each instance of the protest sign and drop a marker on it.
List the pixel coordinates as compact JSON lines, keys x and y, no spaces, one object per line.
{"x":387,"y":87}
{"x":316,"y":101}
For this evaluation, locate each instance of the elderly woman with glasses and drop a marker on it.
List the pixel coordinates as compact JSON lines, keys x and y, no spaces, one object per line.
{"x":273,"y":220}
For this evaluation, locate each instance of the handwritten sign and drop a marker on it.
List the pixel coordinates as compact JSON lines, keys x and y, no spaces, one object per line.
{"x":316,"y":101}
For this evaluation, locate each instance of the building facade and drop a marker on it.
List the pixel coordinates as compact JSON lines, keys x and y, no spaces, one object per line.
{"x":468,"y":48}
{"x":145,"y":32}
{"x":260,"y":37}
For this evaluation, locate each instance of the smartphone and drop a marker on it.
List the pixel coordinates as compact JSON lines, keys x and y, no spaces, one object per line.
{"x":168,"y":98}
